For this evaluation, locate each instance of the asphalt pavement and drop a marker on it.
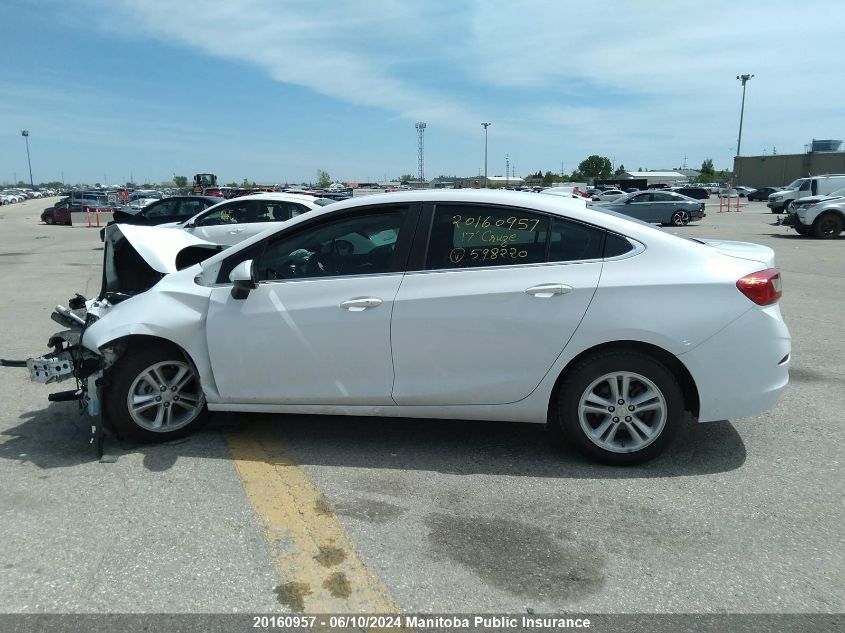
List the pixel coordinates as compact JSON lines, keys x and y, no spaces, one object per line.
{"x":412,"y":515}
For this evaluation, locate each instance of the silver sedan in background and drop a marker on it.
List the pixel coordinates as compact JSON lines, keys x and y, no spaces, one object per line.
{"x":658,"y":207}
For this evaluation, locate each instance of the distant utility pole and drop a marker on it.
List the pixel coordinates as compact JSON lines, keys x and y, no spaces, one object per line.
{"x":420,"y":151}
{"x":507,"y":170}
{"x":744,"y":79}
{"x":485,"y":126}
{"x":25,"y":134}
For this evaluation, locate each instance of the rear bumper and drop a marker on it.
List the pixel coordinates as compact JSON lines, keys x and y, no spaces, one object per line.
{"x":742,"y":370}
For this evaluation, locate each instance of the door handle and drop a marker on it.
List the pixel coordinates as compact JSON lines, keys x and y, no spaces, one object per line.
{"x":544,"y":291}
{"x":358,"y":305}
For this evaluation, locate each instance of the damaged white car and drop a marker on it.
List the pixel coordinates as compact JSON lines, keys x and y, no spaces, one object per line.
{"x":438,"y":304}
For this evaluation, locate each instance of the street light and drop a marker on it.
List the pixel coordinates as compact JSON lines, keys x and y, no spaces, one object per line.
{"x":744,"y":79}
{"x":25,"y":134}
{"x":485,"y":126}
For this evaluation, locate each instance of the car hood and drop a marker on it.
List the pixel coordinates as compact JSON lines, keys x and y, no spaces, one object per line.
{"x":742,"y":250}
{"x":810,"y":200}
{"x":135,"y":258}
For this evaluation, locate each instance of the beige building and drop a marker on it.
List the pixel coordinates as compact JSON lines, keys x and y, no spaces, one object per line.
{"x":781,"y":169}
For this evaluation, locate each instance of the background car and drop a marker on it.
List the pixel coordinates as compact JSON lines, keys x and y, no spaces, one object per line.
{"x":60,"y":213}
{"x":237,"y":219}
{"x":729,"y":192}
{"x":823,"y":220}
{"x":658,"y":207}
{"x":762,"y":193}
{"x":608,"y":196}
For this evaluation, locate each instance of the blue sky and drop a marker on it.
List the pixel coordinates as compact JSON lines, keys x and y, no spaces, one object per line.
{"x":274,"y":90}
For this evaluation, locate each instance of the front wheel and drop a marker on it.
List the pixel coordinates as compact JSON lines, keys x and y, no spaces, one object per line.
{"x":154,"y":395}
{"x":827,"y":226}
{"x":49,"y":220}
{"x":619,"y":407}
{"x":680,"y":218}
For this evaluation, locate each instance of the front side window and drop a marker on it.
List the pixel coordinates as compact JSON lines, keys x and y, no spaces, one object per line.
{"x":232,"y":213}
{"x":472,"y":236}
{"x":189,"y":208}
{"x":161,"y":209}
{"x":350,"y":245}
{"x":643,"y":197}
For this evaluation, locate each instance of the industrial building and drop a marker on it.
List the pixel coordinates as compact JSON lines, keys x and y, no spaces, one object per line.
{"x":772,"y":170}
{"x":653,"y":177}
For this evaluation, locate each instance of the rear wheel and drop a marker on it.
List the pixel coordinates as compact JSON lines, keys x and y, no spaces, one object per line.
{"x":619,"y":407}
{"x":827,"y":226}
{"x":680,"y":217}
{"x":154,"y":394}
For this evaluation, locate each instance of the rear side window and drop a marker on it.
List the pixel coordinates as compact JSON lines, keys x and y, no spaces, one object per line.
{"x":615,"y":245}
{"x":572,"y":241}
{"x":472,"y":236}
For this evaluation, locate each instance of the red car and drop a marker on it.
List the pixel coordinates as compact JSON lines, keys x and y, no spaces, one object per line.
{"x":60,"y":212}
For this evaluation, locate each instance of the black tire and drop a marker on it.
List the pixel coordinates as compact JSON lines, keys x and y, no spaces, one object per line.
{"x":127,"y":374}
{"x":50,"y":220}
{"x":680,"y":217}
{"x":576,"y":385}
{"x":827,"y":226}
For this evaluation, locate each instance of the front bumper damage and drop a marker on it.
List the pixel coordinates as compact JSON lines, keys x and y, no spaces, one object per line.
{"x":70,"y":360}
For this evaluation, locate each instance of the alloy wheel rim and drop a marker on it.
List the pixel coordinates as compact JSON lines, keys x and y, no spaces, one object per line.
{"x":165,"y":397}
{"x":681,"y":218}
{"x":622,"y":412}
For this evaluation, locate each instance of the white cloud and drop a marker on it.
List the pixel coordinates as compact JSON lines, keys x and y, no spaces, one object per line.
{"x":644,"y":81}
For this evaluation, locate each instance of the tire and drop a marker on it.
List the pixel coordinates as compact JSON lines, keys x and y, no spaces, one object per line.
{"x":50,"y":220}
{"x":827,"y":226}
{"x":680,"y":217}
{"x":147,"y":375}
{"x":595,"y":433}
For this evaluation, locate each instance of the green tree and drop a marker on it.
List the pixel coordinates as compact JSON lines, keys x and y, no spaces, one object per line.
{"x":323,"y":178}
{"x":619,"y":170}
{"x":180,"y":181}
{"x":707,"y":172}
{"x":406,"y":178}
{"x":595,"y":166}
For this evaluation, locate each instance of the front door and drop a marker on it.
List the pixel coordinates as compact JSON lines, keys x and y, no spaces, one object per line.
{"x":316,"y":330}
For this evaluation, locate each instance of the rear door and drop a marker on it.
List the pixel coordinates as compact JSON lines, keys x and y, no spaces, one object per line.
{"x":490,"y":303}
{"x":641,"y":207}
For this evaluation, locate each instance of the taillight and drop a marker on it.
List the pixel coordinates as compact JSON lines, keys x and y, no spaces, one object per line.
{"x":762,"y":287}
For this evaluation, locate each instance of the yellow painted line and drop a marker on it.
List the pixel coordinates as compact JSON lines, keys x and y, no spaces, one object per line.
{"x":320,"y":570}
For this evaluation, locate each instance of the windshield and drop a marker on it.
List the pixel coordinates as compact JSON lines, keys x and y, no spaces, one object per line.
{"x":838,"y":192}
{"x":795,"y":184}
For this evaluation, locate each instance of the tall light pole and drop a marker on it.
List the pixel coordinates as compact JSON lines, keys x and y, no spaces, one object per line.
{"x":485,"y":126}
{"x":25,"y":134}
{"x":744,"y":79}
{"x":420,"y":126}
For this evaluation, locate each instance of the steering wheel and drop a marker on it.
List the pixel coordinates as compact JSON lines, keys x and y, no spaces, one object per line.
{"x":314,"y":265}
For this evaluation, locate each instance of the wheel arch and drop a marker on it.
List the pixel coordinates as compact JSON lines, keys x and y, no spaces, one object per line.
{"x":124,"y":344}
{"x":689,"y":389}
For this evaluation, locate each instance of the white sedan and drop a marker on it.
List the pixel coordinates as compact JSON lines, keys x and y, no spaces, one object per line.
{"x":608,"y":196}
{"x":457,"y":304}
{"x":235,"y":220}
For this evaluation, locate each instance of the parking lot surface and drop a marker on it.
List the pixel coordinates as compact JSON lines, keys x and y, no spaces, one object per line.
{"x":261,"y":513}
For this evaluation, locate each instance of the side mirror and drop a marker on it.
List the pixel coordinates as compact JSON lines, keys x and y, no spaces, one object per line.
{"x":243,"y":279}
